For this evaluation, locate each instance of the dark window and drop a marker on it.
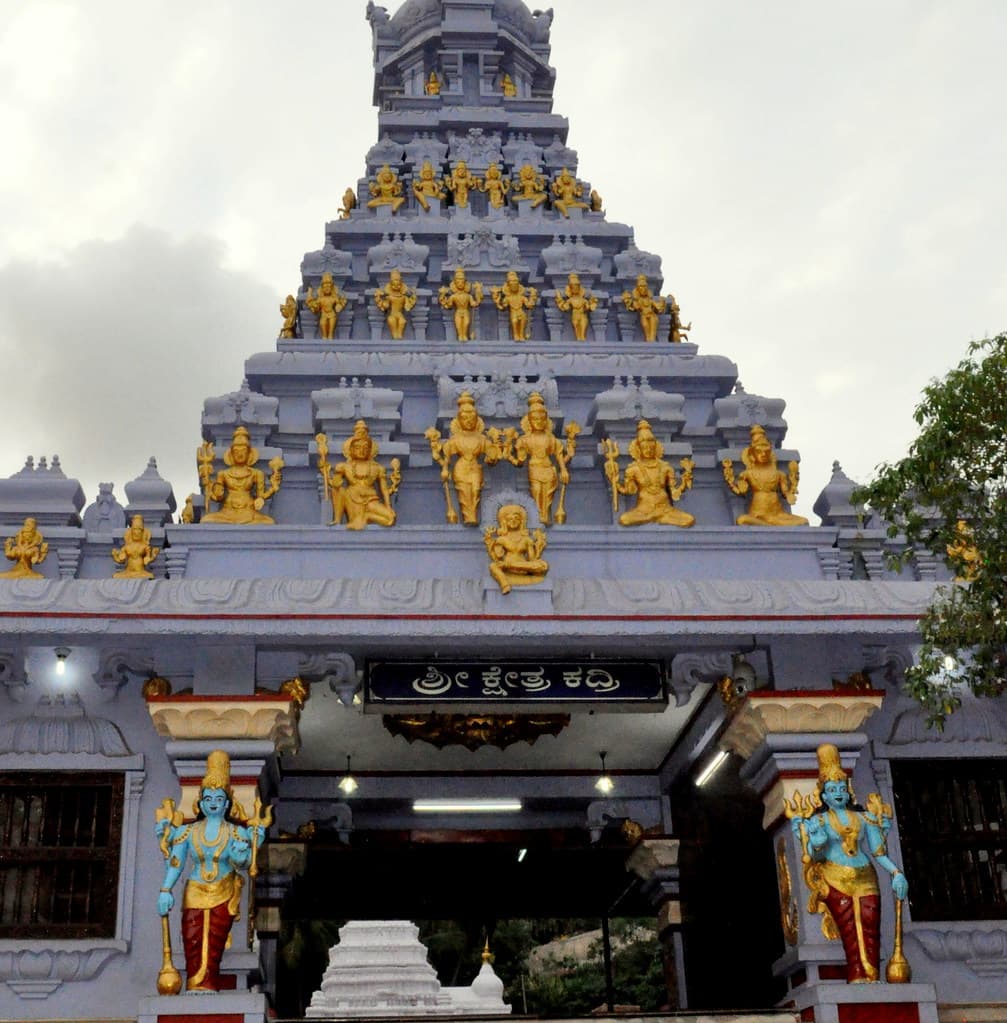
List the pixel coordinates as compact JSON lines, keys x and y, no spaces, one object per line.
{"x":59,"y":854}
{"x":953,"y":829}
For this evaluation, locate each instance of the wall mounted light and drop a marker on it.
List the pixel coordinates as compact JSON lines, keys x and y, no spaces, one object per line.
{"x":604,"y":784}
{"x":348,"y":785}
{"x":62,"y":653}
{"x":467,"y":806}
{"x":712,"y":768}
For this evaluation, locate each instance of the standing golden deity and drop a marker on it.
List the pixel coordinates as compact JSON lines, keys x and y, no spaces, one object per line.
{"x":539,"y":446}
{"x":678,"y":332}
{"x":26,"y":548}
{"x":240,"y":489}
{"x":469,"y":442}
{"x":289,"y":313}
{"x":515,"y":299}
{"x":507,"y":86}
{"x":463,"y":298}
{"x":496,"y":186}
{"x":396,"y":299}
{"x":359,"y":488}
{"x":530,"y":185}
{"x":567,"y":193}
{"x":641,"y":300}
{"x":578,"y":303}
{"x":327,"y":305}
{"x":427,"y":186}
{"x":515,"y":554}
{"x":386,"y":190}
{"x":460,"y":183}
{"x":652,"y":479}
{"x":432,"y":86}
{"x":136,"y":552}
{"x":766,"y":482}
{"x":349,"y":204}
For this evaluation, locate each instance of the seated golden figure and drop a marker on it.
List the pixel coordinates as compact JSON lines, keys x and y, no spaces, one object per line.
{"x":678,"y":332}
{"x":349,"y":204}
{"x":507,"y":86}
{"x":530,"y":185}
{"x":359,"y":488}
{"x":386,"y":190}
{"x":396,"y":299}
{"x":517,"y":300}
{"x":766,"y":483}
{"x":515,"y":554}
{"x":463,"y":298}
{"x":136,"y":552}
{"x":567,"y":193}
{"x":578,"y":302}
{"x":26,"y":548}
{"x":460,"y":183}
{"x":651,"y":479}
{"x":240,"y":489}
{"x":640,"y":300}
{"x":289,"y":313}
{"x":427,"y":186}
{"x":327,"y":305}
{"x":964,"y":554}
{"x":432,"y":86}
{"x":496,"y":186}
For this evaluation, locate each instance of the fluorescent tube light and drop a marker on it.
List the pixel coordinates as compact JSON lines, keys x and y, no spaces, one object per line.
{"x":712,"y":768}
{"x":467,"y":806}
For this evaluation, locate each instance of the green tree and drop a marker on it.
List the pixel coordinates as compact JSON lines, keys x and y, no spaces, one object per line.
{"x":949,"y":496}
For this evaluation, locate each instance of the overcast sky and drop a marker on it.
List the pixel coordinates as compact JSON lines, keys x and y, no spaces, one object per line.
{"x":825,"y":183}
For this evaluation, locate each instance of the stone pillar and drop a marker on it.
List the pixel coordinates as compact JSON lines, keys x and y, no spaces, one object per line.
{"x":279,"y":864}
{"x":778,"y":735}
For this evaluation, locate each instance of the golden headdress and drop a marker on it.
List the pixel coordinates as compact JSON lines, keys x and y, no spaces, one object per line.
{"x":360,"y":432}
{"x":218,"y":776}
{"x":830,"y":767}
{"x":242,"y":436}
{"x":644,"y":432}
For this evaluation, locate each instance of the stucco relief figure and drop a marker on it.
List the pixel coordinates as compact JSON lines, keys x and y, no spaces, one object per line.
{"x":507,"y":86}
{"x":26,"y":548}
{"x":241,"y":490}
{"x":679,"y":331}
{"x":386,"y":190}
{"x":427,"y":186}
{"x":396,"y":299}
{"x":567,"y":193}
{"x":460,"y":182}
{"x":653,"y":481}
{"x":470,"y":445}
{"x":136,"y":552}
{"x":349,"y":204}
{"x":516,"y":300}
{"x":642,"y":302}
{"x":496,"y":186}
{"x":530,"y":185}
{"x":547,"y":458}
{"x":766,"y":483}
{"x":220,"y":843}
{"x":432,"y":86}
{"x":289,"y":313}
{"x":359,"y":488}
{"x":463,"y":298}
{"x":515,"y":553}
{"x":838,"y":839}
{"x":327,"y":304}
{"x":579,"y":303}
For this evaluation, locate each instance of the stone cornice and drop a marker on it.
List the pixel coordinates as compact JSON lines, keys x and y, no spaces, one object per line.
{"x":265,"y":717}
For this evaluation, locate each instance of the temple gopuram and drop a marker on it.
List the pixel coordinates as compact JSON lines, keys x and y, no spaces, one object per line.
{"x":488,"y":602}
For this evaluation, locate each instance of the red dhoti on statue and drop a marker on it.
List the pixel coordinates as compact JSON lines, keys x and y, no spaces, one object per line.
{"x":854,"y":904}
{"x":208,"y":912}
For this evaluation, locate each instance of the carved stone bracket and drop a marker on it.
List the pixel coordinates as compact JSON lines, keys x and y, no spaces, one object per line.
{"x":117,"y":667}
{"x":691,"y":670}
{"x":984,"y":952}
{"x":655,"y":862}
{"x":35,"y":969}
{"x":338,"y":669}
{"x":260,"y":717}
{"x":13,"y":676}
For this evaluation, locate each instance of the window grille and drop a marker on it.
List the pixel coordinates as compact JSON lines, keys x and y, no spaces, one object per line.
{"x":952,"y":818}
{"x":60,"y":834}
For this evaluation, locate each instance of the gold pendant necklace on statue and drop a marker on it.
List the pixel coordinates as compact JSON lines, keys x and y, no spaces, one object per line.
{"x":849,"y":834}
{"x":201,"y":844}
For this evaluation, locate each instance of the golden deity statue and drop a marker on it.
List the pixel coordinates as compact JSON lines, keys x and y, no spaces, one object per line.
{"x":496,"y":186}
{"x":396,"y":299}
{"x":597,"y":204}
{"x":468,"y":444}
{"x":964,"y":554}
{"x":289,"y":313}
{"x":349,"y":204}
{"x":678,"y":332}
{"x":26,"y":548}
{"x":766,"y":483}
{"x":568,"y":193}
{"x":359,"y":488}
{"x":460,"y":183}
{"x":641,"y":300}
{"x":463,"y":298}
{"x":515,"y":554}
{"x":515,"y":299}
{"x":539,"y":446}
{"x":240,"y":489}
{"x":432,"y":86}
{"x":386,"y":190}
{"x":507,"y":86}
{"x":530,"y":185}
{"x":652,"y":479}
{"x":136,"y":552}
{"x":427,"y":186}
{"x":578,"y":303}
{"x":327,"y":305}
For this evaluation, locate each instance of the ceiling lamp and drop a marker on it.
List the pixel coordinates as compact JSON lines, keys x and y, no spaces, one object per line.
{"x":604,"y":784}
{"x":62,"y":653}
{"x":348,"y":785}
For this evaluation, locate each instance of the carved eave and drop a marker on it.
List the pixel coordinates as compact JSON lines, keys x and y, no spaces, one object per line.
{"x":262,"y":717}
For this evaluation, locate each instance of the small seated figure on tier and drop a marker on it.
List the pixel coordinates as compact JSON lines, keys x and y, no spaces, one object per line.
{"x":678,"y":332}
{"x":530,"y":185}
{"x":496,"y":187}
{"x":517,"y":300}
{"x":463,"y":298}
{"x":326,"y":305}
{"x":386,"y":190}
{"x":136,"y":552}
{"x":652,"y":479}
{"x":766,"y":483}
{"x":641,"y":300}
{"x":349,"y":204}
{"x":289,"y":313}
{"x":359,"y":488}
{"x":26,"y":548}
{"x":568,"y":193}
{"x":597,"y":204}
{"x":460,"y":183}
{"x":578,"y":303}
{"x":469,"y":444}
{"x":432,"y":86}
{"x":507,"y":86}
{"x":396,"y":299}
{"x":240,"y":489}
{"x":515,"y":554}
{"x":427,"y":186}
